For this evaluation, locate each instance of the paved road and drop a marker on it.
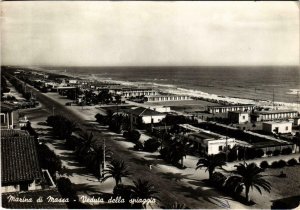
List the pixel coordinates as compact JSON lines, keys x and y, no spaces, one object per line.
{"x":170,"y":191}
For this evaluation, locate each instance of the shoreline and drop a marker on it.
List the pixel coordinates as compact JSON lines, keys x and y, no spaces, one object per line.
{"x":194,"y":94}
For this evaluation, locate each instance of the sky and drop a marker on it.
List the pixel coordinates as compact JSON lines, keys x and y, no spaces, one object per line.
{"x":149,"y":33}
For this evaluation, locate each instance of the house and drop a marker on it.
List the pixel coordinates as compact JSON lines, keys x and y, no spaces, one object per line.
{"x":232,"y":107}
{"x":13,"y":133}
{"x":145,"y":116}
{"x":277,"y":127}
{"x":273,"y":115}
{"x":20,"y":170}
{"x":8,"y":115}
{"x":238,"y":117}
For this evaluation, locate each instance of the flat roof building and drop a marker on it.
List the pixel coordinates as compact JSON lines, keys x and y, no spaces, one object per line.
{"x":273,"y":115}
{"x":232,"y":107}
{"x":277,"y":127}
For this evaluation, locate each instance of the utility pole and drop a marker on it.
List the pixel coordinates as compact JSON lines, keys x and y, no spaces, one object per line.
{"x":103,"y":157}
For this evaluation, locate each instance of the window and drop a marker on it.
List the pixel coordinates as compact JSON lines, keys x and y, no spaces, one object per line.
{"x":220,"y":148}
{"x":287,"y":128}
{"x":244,"y":117}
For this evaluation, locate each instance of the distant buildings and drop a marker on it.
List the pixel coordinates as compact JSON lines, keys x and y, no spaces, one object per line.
{"x":238,"y":117}
{"x":277,"y":127}
{"x":132,"y":92}
{"x":226,"y":108}
{"x":273,"y":115}
{"x":160,"y":98}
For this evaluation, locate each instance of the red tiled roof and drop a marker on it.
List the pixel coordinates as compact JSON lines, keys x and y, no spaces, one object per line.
{"x":19,"y":160}
{"x":13,"y":133}
{"x":35,"y":194}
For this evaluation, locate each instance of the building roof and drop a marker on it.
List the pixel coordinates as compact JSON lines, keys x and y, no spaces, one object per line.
{"x":7,"y":107}
{"x":34,"y":194}
{"x":277,"y":123}
{"x":140,"y":111}
{"x":206,"y":135}
{"x":274,"y":112}
{"x":19,"y":160}
{"x":230,"y":105}
{"x":13,"y":133}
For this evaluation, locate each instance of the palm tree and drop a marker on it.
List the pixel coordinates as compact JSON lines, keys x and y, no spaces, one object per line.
{"x":143,"y":189}
{"x":250,"y":177}
{"x":86,"y":145}
{"x":117,"y":170}
{"x":210,"y":162}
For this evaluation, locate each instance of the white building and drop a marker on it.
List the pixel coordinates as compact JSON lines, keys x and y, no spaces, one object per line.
{"x":145,"y":116}
{"x":277,"y":127}
{"x":163,"y":109}
{"x":273,"y":115}
{"x":211,"y":143}
{"x":156,"y":98}
{"x":232,"y":107}
{"x":238,"y":117}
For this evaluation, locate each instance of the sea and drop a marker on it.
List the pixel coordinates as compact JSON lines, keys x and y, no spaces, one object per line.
{"x":281,"y":84}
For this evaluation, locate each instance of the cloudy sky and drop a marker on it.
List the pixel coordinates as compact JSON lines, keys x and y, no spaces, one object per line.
{"x":150,"y":33}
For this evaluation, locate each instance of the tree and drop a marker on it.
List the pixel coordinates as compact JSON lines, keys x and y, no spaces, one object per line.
{"x":116,"y":170}
{"x":143,"y":189}
{"x":250,"y":177}
{"x":210,"y":162}
{"x":49,"y":160}
{"x":86,"y":145}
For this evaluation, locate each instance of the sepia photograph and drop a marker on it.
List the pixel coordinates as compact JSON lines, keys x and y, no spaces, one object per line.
{"x":150,"y":105}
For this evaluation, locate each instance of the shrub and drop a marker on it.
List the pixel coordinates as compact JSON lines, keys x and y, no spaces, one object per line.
{"x":151,"y":145}
{"x":286,"y":151}
{"x":292,"y":162}
{"x":276,"y":152}
{"x":269,"y":153}
{"x":275,"y":164}
{"x":138,"y":146}
{"x":259,"y":153}
{"x":233,"y":187}
{"x":218,"y":179}
{"x":281,"y":163}
{"x":264,"y":164}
